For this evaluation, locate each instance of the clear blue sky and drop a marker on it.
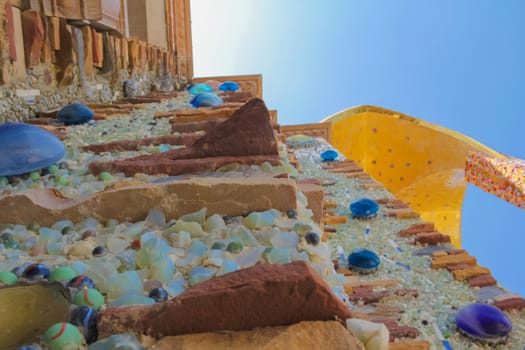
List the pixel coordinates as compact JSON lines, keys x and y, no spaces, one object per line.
{"x":459,"y":64}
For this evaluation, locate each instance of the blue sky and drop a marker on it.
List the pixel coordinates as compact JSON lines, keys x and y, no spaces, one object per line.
{"x":459,"y":64}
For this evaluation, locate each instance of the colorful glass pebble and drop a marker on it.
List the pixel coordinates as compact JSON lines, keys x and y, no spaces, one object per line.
{"x":207,"y":99}
{"x":36,"y":271}
{"x":363,"y":261}
{"x":85,"y":318}
{"x":100,"y":251}
{"x":364,"y":208}
{"x":7,"y":277}
{"x":158,"y":294}
{"x":229,"y":86}
{"x":62,"y":273}
{"x":63,"y":335}
{"x":88,"y":297}
{"x":329,"y":155}
{"x":483,"y":322}
{"x":197,"y":89}
{"x":312,"y":238}
{"x":27,"y":148}
{"x":81,"y":281}
{"x":74,"y":114}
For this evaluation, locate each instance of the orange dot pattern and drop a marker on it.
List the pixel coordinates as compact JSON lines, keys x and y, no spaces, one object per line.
{"x":504,"y":178}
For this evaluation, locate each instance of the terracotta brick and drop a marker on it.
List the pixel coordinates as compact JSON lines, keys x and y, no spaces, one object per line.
{"x":329,"y":229}
{"x":396,"y":204}
{"x":335,"y":220}
{"x":482,"y":281}
{"x":404,"y":213}
{"x":444,"y":261}
{"x":432,"y":238}
{"x":417,"y":228}
{"x":516,"y":303}
{"x":458,"y":267}
{"x":461,"y":275}
{"x":413,"y":345}
{"x":455,"y":251}
{"x":329,"y":204}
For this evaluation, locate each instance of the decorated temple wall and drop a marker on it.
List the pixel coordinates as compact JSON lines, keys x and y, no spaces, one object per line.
{"x":57,"y":52}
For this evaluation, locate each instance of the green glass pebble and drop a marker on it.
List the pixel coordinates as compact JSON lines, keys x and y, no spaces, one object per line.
{"x":35,"y":176}
{"x":53,"y":169}
{"x":63,"y":336}
{"x":12,"y":244}
{"x":62,"y":273}
{"x":63,"y":180}
{"x":89,"y":297}
{"x":105,"y":176}
{"x":4,"y":181}
{"x":8,"y":277}
{"x":218,"y":246}
{"x":234,"y":247}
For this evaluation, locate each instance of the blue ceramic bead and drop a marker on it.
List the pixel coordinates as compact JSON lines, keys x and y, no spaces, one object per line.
{"x":81,"y":281}
{"x":75,"y":113}
{"x":158,"y":294}
{"x":25,"y":148}
{"x":329,"y":155}
{"x":36,"y":271}
{"x":483,"y":322}
{"x":85,"y":318}
{"x":364,"y":208}
{"x":229,"y":86}
{"x":363,"y":260}
{"x":207,"y":99}
{"x":197,"y":89}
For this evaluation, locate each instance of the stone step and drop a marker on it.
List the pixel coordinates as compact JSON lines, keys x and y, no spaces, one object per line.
{"x":175,"y":199}
{"x":133,"y":145}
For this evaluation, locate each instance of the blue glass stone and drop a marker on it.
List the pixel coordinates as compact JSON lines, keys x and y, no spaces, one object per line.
{"x":364,"y":208}
{"x":329,"y":155}
{"x":36,"y":271}
{"x":483,"y":322}
{"x":207,"y":99}
{"x":75,"y":113}
{"x":158,"y":294}
{"x":197,"y":89}
{"x":25,"y":148}
{"x":81,"y":281}
{"x":229,"y":86}
{"x":363,"y":261}
{"x":312,"y":238}
{"x":85,"y":318}
{"x":19,"y":270}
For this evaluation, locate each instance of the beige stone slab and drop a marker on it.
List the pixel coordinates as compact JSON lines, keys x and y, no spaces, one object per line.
{"x":225,"y":196}
{"x":304,"y":335}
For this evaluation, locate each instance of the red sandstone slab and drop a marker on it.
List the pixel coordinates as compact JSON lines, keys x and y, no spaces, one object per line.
{"x":431,"y":238}
{"x":134,"y":145}
{"x":376,"y":296}
{"x":516,"y":303}
{"x":264,"y":295}
{"x":482,"y":281}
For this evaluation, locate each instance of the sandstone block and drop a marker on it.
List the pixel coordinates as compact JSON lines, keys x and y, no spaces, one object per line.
{"x":456,"y":259}
{"x":304,"y":335}
{"x":482,"y":281}
{"x":134,"y":145}
{"x":204,"y":126}
{"x":431,"y":238}
{"x":315,"y":196}
{"x":264,"y":295}
{"x":225,"y":196}
{"x":413,"y":345}
{"x":417,"y":228}
{"x":473,"y":271}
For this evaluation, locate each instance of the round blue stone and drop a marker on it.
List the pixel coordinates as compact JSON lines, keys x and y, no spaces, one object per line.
{"x":36,"y":271}
{"x":229,"y":86}
{"x":25,"y":148}
{"x":364,"y":208}
{"x":75,"y":113}
{"x":483,"y":322}
{"x":81,"y":281}
{"x":329,"y":155}
{"x":197,"y":89}
{"x":158,"y":294}
{"x":85,"y":318}
{"x":206,"y":99}
{"x":363,"y":261}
